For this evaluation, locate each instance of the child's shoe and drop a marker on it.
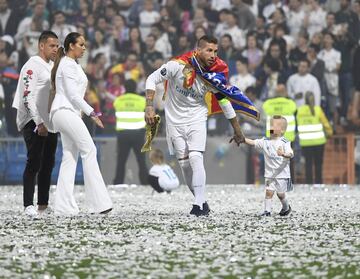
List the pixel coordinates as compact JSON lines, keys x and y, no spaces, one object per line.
{"x":285,"y":212}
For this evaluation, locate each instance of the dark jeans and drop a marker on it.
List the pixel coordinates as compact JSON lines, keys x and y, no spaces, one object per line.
{"x":127,"y":140}
{"x":313,"y":159}
{"x":40,"y":163}
{"x":345,"y":88}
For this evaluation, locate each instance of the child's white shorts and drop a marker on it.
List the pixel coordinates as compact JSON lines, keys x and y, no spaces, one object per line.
{"x":280,"y":185}
{"x":181,"y":139}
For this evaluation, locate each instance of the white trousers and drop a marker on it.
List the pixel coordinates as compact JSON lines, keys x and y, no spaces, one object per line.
{"x":76,"y":140}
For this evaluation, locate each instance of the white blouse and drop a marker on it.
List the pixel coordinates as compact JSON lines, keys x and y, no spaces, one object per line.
{"x":71,"y":83}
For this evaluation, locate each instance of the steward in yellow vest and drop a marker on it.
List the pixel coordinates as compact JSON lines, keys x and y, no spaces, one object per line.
{"x":313,"y":129}
{"x":130,"y":127}
{"x":284,"y":106}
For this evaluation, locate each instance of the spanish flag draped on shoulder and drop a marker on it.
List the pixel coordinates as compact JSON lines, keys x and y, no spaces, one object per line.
{"x":216,"y":76}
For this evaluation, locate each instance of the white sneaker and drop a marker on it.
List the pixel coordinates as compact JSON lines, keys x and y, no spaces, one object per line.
{"x":30,"y":211}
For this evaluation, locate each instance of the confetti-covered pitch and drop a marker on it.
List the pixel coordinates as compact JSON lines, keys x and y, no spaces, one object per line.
{"x":152,"y":236}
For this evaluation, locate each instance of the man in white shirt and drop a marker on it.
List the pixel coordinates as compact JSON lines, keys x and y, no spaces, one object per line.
{"x":270,"y":8}
{"x":31,"y":101}
{"x":186,"y":115}
{"x":60,"y":27}
{"x":302,"y":82}
{"x":295,"y":17}
{"x":332,"y":60}
{"x":234,"y":31}
{"x":242,"y":79}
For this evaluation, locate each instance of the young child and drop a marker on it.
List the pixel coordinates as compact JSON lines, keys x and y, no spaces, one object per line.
{"x":277,"y":152}
{"x":161,"y":176}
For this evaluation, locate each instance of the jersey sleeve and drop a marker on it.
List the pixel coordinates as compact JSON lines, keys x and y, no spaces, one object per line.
{"x":165,"y":72}
{"x":259,"y":144}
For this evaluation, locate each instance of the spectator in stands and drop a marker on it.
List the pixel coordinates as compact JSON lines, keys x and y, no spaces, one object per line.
{"x":234,"y":31}
{"x":279,"y":18}
{"x":295,"y":17}
{"x":299,"y":52}
{"x":110,"y":12}
{"x":332,"y":59}
{"x":80,"y":18}
{"x":242,"y":79}
{"x":60,"y":27}
{"x":162,"y":43}
{"x":252,"y":52}
{"x":7,"y":45}
{"x":345,"y":43}
{"x":118,"y":36}
{"x":246,"y":19}
{"x":277,"y":50}
{"x":9,"y":20}
{"x":169,"y":28}
{"x":221,"y":24}
{"x":349,"y":18}
{"x":8,"y":81}
{"x":227,"y":52}
{"x":302,"y":82}
{"x":131,"y":69}
{"x":183,"y":45}
{"x":261,"y":32}
{"x":331,"y":26}
{"x":317,"y":69}
{"x":90,"y":27}
{"x":101,"y":46}
{"x":273,"y":77}
{"x":197,"y":34}
{"x":147,"y":18}
{"x":270,"y":8}
{"x":69,"y":7}
{"x":108,"y":95}
{"x":199,"y":20}
{"x":134,"y":44}
{"x":150,"y":54}
{"x":96,"y":67}
{"x":29,"y":31}
{"x":356,"y":8}
{"x":315,"y":18}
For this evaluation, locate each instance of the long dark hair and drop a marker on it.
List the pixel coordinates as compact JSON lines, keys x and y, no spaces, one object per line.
{"x":310,"y":101}
{"x":71,"y":38}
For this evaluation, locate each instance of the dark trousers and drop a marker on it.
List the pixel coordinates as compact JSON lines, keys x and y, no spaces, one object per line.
{"x":313,"y":160}
{"x":40,"y":163}
{"x":127,"y":140}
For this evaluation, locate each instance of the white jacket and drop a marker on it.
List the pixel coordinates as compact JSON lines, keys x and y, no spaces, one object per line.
{"x":32,"y":93}
{"x":70,"y":83}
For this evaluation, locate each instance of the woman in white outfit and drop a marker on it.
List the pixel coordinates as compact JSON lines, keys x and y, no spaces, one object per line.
{"x":70,"y":81}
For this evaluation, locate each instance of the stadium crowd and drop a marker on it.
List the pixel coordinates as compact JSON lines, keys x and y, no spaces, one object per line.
{"x":269,"y":45}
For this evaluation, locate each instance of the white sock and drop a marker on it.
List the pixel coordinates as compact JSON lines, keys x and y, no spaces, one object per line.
{"x":268,"y":203}
{"x":199,"y":176}
{"x":187,"y":173}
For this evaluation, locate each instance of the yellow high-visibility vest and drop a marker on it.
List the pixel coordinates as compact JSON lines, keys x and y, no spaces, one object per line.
{"x":285,"y":107}
{"x":129,"y":111}
{"x":310,"y":128}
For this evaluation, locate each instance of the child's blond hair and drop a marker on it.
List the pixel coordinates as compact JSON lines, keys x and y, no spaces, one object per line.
{"x":156,"y":156}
